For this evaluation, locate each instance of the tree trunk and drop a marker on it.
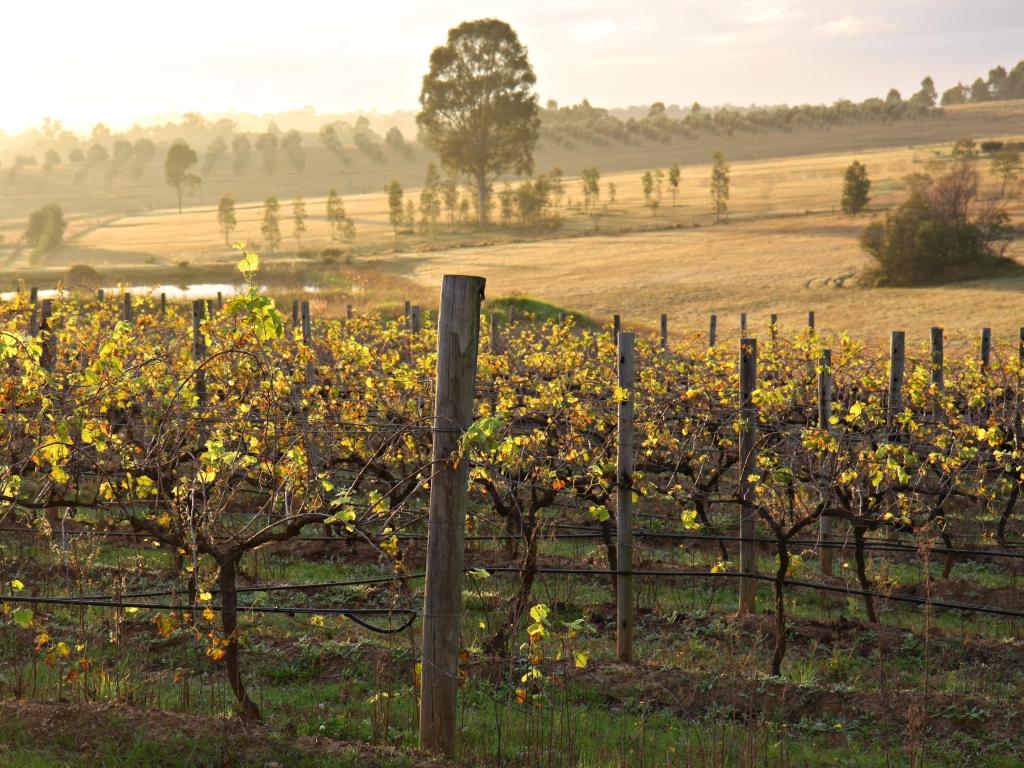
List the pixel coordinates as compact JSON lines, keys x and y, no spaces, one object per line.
{"x":179,"y":197}
{"x":862,"y":574}
{"x":481,"y":198}
{"x":780,"y":607}
{"x":247,"y":708}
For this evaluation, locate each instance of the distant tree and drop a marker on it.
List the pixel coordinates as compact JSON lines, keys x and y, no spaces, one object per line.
{"x":271,"y":226}
{"x":980,"y":91}
{"x":479,"y":111}
{"x":341,"y":225}
{"x":657,"y":109}
{"x":964,"y":149}
{"x":409,"y":216}
{"x":45,"y":229}
{"x":97,"y":153}
{"x":611,"y":193}
{"x":955,"y":95}
{"x":673,"y":181}
{"x":180,"y":158}
{"x":241,"y":147}
{"x":100,"y":132}
{"x":215,"y":150}
{"x":430,"y":198}
{"x":266,"y":145}
{"x":996,"y":81}
{"x":123,"y":152}
{"x":52,"y":158}
{"x":557,"y":187}
{"x":856,"y":188}
{"x":396,"y":141}
{"x":507,"y":204}
{"x":449,"y":190}
{"x":291,"y":143}
{"x":719,"y":185}
{"x":893,"y":98}
{"x":927,"y":96}
{"x":590,"y":179}
{"x":532,"y":199}
{"x":299,"y":218}
{"x":226,"y":217}
{"x":1006,"y":164}
{"x":76,"y":155}
{"x":143,"y":150}
{"x":395,"y":195}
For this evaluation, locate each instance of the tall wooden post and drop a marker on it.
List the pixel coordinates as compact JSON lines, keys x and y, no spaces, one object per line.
{"x":810,"y":320}
{"x":33,"y":294}
{"x":458,"y":336}
{"x":348,"y":311}
{"x":48,"y":355}
{"x":713,"y":331}
{"x":747,"y":467}
{"x":896,"y":367}
{"x":773,"y":326}
{"x":163,"y":304}
{"x":825,"y":524}
{"x":743,"y":324}
{"x":624,"y":503}
{"x":307,"y":339}
{"x":406,"y":312}
{"x":127,"y":314}
{"x":416,"y":317}
{"x":220,"y":301}
{"x":100,"y":296}
{"x":295,"y":313}
{"x":938,"y":375}
{"x":986,"y":347}
{"x":198,"y":353}
{"x":664,"y":333}
{"x":495,"y":333}
{"x":616,"y":327}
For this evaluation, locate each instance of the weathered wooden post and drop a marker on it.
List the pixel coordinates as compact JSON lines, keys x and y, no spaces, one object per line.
{"x":163,"y":304}
{"x":198,"y":353}
{"x":986,"y":347}
{"x":825,"y":524}
{"x":416,"y":316}
{"x":33,"y":294}
{"x":307,"y":340}
{"x":295,"y":313}
{"x":348,"y":312}
{"x":495,"y":333}
{"x":624,"y":502}
{"x":48,"y":354}
{"x":713,"y":331}
{"x":220,"y":301}
{"x":747,"y":467}
{"x":664,"y":333}
{"x":896,"y":367}
{"x":773,"y":326}
{"x":810,"y":320}
{"x":616,"y":327}
{"x":100,"y":295}
{"x":406,"y":312}
{"x":938,"y":375}
{"x":127,"y":314}
{"x":458,"y":335}
{"x":743,"y":324}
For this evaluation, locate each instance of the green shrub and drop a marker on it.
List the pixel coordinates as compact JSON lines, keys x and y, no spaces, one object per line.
{"x":46,"y":229}
{"x":942,"y":233}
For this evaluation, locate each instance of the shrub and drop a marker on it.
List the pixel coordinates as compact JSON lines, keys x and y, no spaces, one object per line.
{"x":82,"y":276}
{"x":940,"y":234}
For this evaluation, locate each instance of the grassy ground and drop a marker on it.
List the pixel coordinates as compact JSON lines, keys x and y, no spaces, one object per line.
{"x":933,"y":688}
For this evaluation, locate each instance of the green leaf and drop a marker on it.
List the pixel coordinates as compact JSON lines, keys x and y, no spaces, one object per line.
{"x":23,"y":617}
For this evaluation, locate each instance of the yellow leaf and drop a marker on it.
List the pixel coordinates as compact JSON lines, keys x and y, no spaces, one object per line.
{"x":581,"y":658}
{"x":17,"y":585}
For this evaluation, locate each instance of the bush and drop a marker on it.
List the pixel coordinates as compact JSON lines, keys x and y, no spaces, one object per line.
{"x":940,"y":234}
{"x":82,"y":277}
{"x":46,"y":228}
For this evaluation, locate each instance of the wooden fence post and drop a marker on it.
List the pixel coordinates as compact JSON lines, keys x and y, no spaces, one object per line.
{"x":100,"y":296}
{"x":220,"y":301}
{"x":416,"y":316}
{"x":938,"y":375}
{"x":48,"y":355}
{"x":33,"y":294}
{"x":198,"y":353}
{"x":747,"y":466}
{"x":624,"y":503}
{"x":713,"y":331}
{"x":824,"y":423}
{"x":616,"y":327}
{"x":307,"y":340}
{"x":406,"y":312}
{"x":163,"y":304}
{"x":743,"y":324}
{"x":295,"y":313}
{"x":896,"y":364}
{"x":773,"y":326}
{"x":986,"y":347}
{"x":810,"y":320}
{"x":126,"y":311}
{"x":495,"y":333}
{"x":458,"y":336}
{"x":664,"y":333}
{"x":348,"y":311}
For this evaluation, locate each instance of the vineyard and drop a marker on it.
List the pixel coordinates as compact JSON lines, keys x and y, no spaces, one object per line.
{"x":785,"y":548}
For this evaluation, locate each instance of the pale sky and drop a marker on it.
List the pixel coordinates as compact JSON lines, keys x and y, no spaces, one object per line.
{"x":119,"y":61}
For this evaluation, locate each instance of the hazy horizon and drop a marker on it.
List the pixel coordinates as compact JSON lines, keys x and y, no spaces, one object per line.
{"x":215,"y":59}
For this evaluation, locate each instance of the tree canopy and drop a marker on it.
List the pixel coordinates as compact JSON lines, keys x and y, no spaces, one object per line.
{"x":479,"y":110}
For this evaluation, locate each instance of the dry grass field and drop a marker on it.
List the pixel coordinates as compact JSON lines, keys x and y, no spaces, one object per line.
{"x":780,"y":251}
